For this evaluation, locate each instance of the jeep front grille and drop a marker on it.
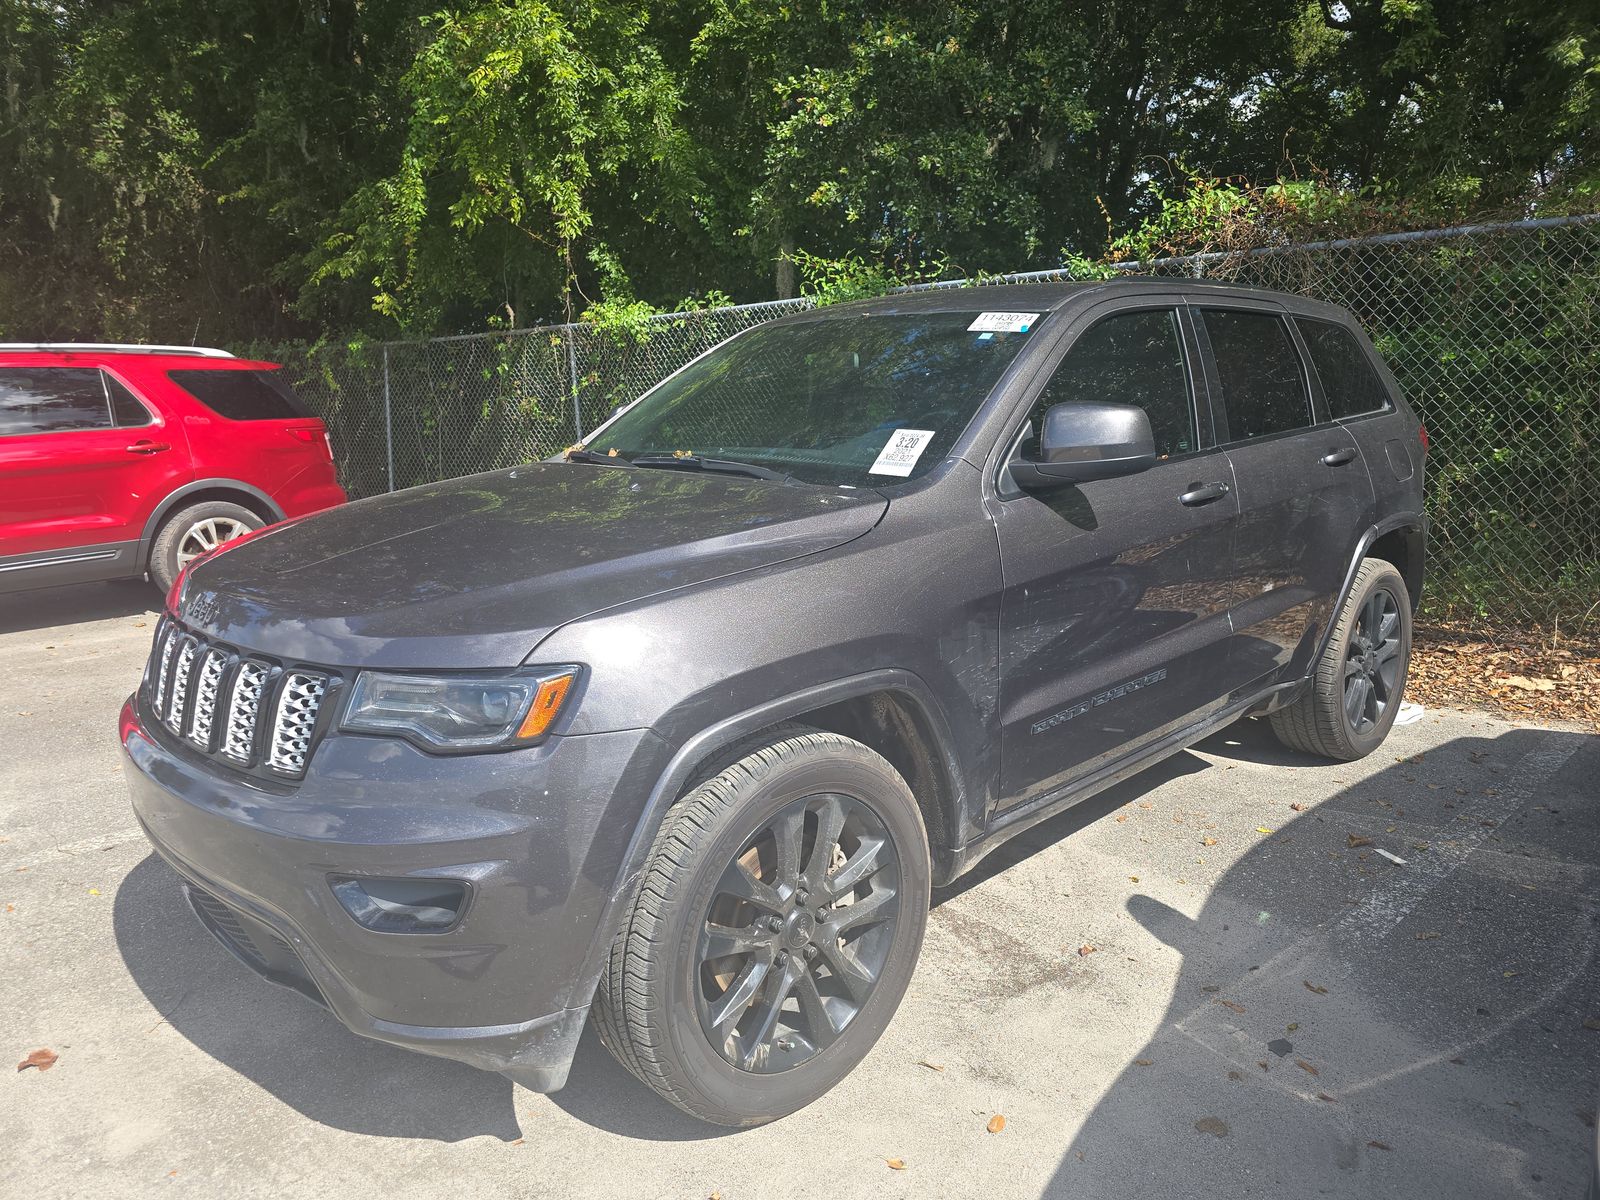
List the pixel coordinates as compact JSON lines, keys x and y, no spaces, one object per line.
{"x":252,"y":712}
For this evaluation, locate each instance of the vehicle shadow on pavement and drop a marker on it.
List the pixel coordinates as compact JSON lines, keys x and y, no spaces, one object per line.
{"x":286,"y":1044}
{"x":49,"y":607}
{"x":1347,"y":1025}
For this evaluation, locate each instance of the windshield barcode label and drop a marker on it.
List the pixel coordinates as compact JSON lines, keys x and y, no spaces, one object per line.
{"x":905,"y":446}
{"x":1003,"y":322}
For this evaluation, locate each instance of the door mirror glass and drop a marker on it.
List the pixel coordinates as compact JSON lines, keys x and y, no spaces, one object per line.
{"x":1087,"y":440}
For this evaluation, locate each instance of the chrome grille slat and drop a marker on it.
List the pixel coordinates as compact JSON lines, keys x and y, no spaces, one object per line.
{"x":181,"y":670}
{"x":295,"y":721}
{"x":238,"y":736}
{"x":164,"y":664}
{"x":207,"y":684}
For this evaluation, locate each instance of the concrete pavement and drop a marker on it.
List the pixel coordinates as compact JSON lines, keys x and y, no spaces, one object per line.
{"x":1266,"y":1005}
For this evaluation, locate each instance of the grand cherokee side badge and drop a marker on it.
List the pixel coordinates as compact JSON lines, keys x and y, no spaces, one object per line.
{"x":1105,"y":697}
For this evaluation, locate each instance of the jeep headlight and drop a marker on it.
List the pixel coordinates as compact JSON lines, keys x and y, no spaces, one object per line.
{"x":457,"y":713}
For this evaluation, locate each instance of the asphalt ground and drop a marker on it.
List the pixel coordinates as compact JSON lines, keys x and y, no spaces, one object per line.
{"x":1202,"y":984}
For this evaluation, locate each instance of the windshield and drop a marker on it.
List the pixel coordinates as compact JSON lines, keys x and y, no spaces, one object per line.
{"x":858,"y":400}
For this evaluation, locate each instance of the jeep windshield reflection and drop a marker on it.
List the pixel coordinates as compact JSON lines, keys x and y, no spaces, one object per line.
{"x":855,"y":400}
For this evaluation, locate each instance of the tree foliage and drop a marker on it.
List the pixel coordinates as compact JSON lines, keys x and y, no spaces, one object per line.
{"x":241,"y":170}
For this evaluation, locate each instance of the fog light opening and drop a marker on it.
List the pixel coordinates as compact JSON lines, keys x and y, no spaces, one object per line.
{"x":401,"y":905}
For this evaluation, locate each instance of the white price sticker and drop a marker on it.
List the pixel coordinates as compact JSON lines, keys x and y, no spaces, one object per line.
{"x":901,"y":452}
{"x":1003,"y":322}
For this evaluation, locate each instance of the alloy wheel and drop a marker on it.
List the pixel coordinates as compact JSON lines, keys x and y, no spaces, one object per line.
{"x":206,"y":535}
{"x":1372,"y":662}
{"x":797,"y":933}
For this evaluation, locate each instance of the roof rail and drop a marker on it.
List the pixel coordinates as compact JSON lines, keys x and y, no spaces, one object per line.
{"x":111,"y":347}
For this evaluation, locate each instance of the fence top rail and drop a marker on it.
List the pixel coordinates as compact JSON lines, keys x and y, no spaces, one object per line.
{"x":1051,"y":274}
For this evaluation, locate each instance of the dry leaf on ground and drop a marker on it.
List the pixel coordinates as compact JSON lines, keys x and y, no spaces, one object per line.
{"x":996,"y":1123}
{"x":1306,"y":1067}
{"x":1311,"y":987}
{"x":896,"y":1164}
{"x":1086,"y":949}
{"x":1355,"y":840}
{"x":43,"y":1059}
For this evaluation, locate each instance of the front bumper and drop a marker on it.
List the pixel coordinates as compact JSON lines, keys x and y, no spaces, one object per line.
{"x":538,"y":835}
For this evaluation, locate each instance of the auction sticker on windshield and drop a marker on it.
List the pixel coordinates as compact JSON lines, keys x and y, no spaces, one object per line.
{"x":905,"y":446}
{"x":1003,"y":322}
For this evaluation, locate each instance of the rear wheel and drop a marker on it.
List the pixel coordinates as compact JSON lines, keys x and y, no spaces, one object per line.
{"x":776,"y":929}
{"x":1355,"y":694}
{"x":191,"y":532}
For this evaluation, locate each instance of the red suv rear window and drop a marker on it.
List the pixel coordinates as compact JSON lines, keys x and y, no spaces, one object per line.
{"x":241,"y":395}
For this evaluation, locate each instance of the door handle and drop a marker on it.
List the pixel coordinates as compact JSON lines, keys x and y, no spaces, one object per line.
{"x":147,"y":447}
{"x":1203,"y":493}
{"x":1338,"y":458}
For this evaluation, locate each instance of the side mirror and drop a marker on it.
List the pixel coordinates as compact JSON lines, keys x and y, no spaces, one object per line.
{"x":1091,"y":440}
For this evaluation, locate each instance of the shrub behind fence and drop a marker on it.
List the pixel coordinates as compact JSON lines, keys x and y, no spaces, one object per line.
{"x":1493,"y":332}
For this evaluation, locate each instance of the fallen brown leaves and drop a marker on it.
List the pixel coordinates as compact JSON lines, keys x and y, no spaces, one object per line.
{"x":896,"y":1164}
{"x":43,"y":1059}
{"x":996,"y":1123}
{"x":1516,"y":677}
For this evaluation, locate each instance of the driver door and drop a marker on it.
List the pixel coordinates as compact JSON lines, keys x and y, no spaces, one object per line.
{"x":1116,"y":592}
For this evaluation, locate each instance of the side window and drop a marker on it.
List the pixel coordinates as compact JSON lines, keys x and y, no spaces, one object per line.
{"x":126,"y":409}
{"x":51,"y":400}
{"x":1129,"y":358}
{"x":1263,"y":388}
{"x":240,"y":395}
{"x":1348,"y":380}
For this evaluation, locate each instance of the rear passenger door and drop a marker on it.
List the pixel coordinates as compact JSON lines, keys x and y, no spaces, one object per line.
{"x":1357,"y":398}
{"x":1302,"y":483}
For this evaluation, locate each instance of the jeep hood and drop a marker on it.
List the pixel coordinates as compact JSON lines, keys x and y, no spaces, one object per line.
{"x":475,"y":572}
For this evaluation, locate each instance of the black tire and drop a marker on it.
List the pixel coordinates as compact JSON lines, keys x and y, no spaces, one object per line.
{"x":1355,"y":693}
{"x":185,"y":530}
{"x":665,"y":986}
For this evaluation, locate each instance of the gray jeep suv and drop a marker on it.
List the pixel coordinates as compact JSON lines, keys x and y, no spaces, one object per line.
{"x":677,"y":732}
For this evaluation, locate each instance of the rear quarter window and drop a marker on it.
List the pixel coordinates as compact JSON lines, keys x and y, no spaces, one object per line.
{"x":241,"y":395}
{"x":1351,"y":385}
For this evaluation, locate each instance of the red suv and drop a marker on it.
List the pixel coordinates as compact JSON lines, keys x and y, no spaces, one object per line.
{"x":121,"y":460}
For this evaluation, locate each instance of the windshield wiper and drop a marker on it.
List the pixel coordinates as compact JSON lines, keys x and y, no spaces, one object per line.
{"x":694,"y":462}
{"x":589,"y":456}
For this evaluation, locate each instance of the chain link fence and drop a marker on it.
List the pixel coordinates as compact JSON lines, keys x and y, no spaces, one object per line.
{"x":1493,"y":332}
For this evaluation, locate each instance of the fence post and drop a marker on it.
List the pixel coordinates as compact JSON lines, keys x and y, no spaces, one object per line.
{"x":572,"y":374}
{"x":388,"y":420}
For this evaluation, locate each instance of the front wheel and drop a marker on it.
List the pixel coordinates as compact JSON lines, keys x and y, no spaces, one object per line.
{"x":1355,"y":694}
{"x":776,"y":929}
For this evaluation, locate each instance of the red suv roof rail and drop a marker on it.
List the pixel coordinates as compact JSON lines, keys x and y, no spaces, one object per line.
{"x":109,"y":347}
